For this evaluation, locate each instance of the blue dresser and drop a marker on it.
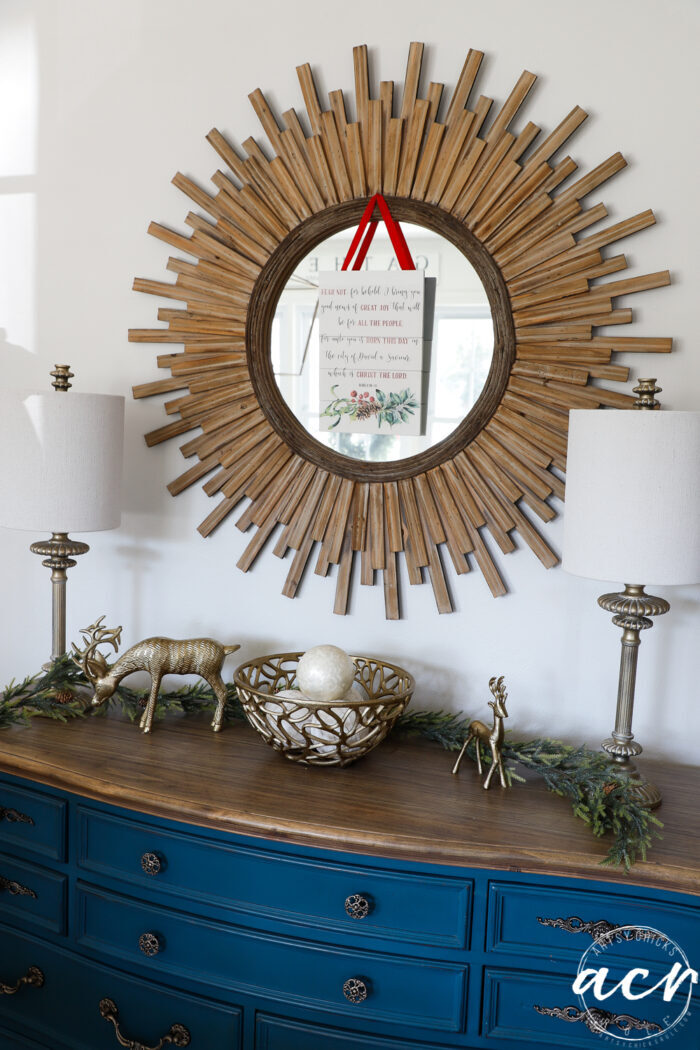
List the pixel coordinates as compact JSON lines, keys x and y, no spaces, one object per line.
{"x":409,"y":918}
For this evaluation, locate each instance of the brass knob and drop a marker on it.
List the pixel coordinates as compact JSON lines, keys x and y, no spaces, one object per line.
{"x":355,"y":990}
{"x":150,"y":944}
{"x":151,"y":863}
{"x":357,"y":906}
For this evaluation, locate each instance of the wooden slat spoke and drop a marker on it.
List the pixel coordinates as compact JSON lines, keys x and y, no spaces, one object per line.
{"x":227,"y":154}
{"x":373,"y":160}
{"x":267,"y":119}
{"x":587,"y":183}
{"x":523,"y":142}
{"x":376,"y":526}
{"x":463,"y":88}
{"x":356,"y":166}
{"x":461,"y":175}
{"x":450,"y":151}
{"x":428,"y":511}
{"x":410,"y":90}
{"x":361,"y":68}
{"x":559,"y":136}
{"x":220,"y":512}
{"x":160,"y":386}
{"x":336,"y":159}
{"x":510,"y":107}
{"x":393,"y":516}
{"x":411,"y":147}
{"x":428,"y":158}
{"x":436,"y":572}
{"x":392,"y":609}
{"x":193,"y":475}
{"x":308,"y":90}
{"x":412,"y":521}
{"x":359,"y":516}
{"x":295,"y":155}
{"x":484,"y":170}
{"x":322,"y":171}
{"x":434,"y":96}
{"x":392,"y":156}
{"x":307,"y":510}
{"x":342,"y":587}
{"x":336,"y":529}
{"x":298,"y":567}
{"x":263,"y":178}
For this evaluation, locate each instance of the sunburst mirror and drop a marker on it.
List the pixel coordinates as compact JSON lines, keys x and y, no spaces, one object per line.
{"x":487,"y":208}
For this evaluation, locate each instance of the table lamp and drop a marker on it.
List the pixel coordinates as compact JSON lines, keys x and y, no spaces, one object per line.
{"x":633,"y":514}
{"x":60,"y":472}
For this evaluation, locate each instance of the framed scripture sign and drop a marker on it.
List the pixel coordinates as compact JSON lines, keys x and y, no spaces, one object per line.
{"x":371,"y":344}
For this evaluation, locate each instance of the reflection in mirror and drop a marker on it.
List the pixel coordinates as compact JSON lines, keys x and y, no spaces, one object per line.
{"x":457,"y":363}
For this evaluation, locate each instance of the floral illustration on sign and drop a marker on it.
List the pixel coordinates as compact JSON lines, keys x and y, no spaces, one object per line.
{"x":391,"y":408}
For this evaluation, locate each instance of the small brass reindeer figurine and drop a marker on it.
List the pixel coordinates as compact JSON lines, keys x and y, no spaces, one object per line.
{"x":158,"y":656}
{"x":492,"y":736}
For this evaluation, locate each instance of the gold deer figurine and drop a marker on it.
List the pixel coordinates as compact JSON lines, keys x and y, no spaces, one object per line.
{"x":493,"y":736}
{"x":158,"y":656}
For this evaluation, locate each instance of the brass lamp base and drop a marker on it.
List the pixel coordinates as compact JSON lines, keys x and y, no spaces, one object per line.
{"x":632,"y":608}
{"x":58,"y":554}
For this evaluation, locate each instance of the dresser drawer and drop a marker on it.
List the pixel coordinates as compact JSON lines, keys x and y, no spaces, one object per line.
{"x":32,"y":821}
{"x":281,"y":1033}
{"x":552,"y":921}
{"x":8,"y":1041}
{"x":29,"y":894}
{"x":65,"y":1011}
{"x":423,"y":994}
{"x":542,"y":1010}
{"x":387,"y":904}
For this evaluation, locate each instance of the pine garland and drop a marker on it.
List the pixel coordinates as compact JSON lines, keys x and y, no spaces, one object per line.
{"x":603,"y":801}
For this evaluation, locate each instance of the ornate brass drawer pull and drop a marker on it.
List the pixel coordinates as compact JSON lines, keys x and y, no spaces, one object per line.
{"x":599,"y":929}
{"x":355,"y":990}
{"x":14,"y":816}
{"x":357,"y":906}
{"x":152,"y":863}
{"x":15,"y":888}
{"x":34,"y":978}
{"x":178,"y":1035}
{"x":150,"y":943}
{"x":597,"y":1020}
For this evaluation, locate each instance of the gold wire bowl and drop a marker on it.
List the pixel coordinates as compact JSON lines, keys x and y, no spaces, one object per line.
{"x":319,"y":733}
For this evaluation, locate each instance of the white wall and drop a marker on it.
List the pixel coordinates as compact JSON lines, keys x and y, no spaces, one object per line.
{"x":111,"y":99}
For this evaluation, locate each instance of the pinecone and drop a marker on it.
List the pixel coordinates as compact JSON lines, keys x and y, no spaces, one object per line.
{"x":63,"y":696}
{"x":366,"y":409}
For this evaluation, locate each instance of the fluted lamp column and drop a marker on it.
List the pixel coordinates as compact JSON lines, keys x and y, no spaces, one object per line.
{"x":60,"y":471}
{"x":633,"y":513}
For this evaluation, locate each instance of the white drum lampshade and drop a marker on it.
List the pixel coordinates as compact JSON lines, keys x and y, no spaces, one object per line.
{"x":633,"y":496}
{"x":61,"y":461}
{"x":60,"y":471}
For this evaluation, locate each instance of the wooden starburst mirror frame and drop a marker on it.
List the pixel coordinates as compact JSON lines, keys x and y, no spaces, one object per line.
{"x":499,"y":198}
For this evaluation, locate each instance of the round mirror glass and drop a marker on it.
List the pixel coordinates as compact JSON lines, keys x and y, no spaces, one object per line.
{"x":358,"y":388}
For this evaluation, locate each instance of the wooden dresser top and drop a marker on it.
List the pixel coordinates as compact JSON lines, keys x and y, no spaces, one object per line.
{"x":400,"y":801}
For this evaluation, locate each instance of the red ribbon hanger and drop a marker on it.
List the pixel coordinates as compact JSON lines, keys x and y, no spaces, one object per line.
{"x":364,"y":235}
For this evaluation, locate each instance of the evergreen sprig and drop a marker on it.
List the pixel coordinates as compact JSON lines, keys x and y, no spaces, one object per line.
{"x":605,"y":801}
{"x":601,"y":799}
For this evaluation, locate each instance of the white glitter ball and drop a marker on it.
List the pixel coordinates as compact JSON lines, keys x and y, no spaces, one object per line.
{"x":325,"y":673}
